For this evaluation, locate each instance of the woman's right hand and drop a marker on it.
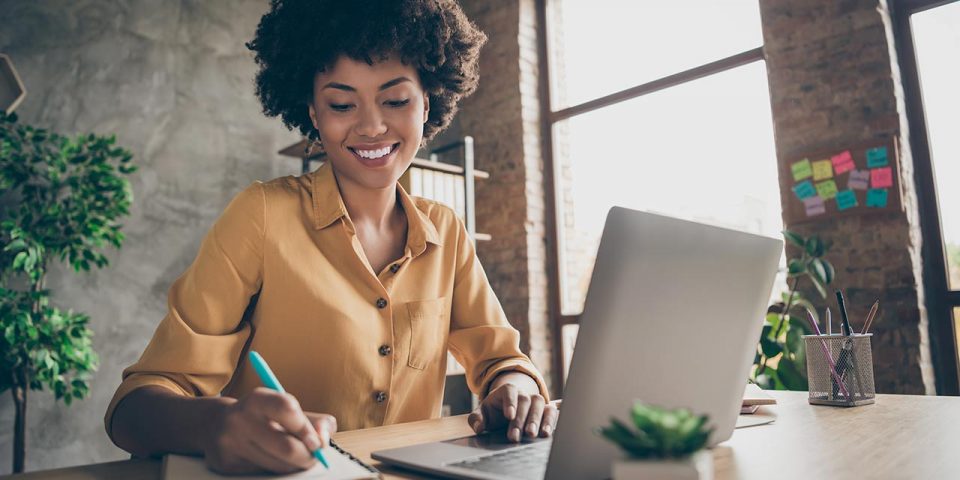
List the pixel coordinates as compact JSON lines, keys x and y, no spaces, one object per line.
{"x":266,"y":430}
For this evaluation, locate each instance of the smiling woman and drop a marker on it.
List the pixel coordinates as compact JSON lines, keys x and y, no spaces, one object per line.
{"x":351,"y":289}
{"x":370,"y":119}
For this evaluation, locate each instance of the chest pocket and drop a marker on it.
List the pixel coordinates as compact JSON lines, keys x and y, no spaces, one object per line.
{"x":428,"y":329}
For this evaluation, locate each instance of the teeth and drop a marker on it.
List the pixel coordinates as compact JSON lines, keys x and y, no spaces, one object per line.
{"x":374,"y":153}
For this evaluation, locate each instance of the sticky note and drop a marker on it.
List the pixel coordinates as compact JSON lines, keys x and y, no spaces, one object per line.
{"x":814,"y":206}
{"x":842,"y":162}
{"x":827,"y":189}
{"x":804,"y":190}
{"x":876,"y":157}
{"x":822,"y":170}
{"x":877,"y":197}
{"x":801,"y":170}
{"x":881,"y":177}
{"x":846,"y":199}
{"x":858,"y":180}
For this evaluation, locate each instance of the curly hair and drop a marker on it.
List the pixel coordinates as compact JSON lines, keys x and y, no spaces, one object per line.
{"x":298,"y":39}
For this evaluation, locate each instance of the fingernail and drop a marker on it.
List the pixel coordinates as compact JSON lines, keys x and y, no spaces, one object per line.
{"x":547,"y":429}
{"x":532,"y":429}
{"x":515,"y":434}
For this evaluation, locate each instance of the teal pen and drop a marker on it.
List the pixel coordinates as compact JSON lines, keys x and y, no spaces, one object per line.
{"x":270,"y":381}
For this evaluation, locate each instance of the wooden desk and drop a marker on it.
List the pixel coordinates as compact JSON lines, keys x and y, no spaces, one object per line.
{"x":899,"y":437}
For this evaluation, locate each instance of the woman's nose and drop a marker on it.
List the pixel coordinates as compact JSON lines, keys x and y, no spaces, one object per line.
{"x":370,"y":123}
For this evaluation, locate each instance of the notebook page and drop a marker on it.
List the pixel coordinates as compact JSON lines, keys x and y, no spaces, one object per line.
{"x":177,"y":467}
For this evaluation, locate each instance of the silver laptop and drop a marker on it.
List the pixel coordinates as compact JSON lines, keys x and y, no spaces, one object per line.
{"x":672,"y":318}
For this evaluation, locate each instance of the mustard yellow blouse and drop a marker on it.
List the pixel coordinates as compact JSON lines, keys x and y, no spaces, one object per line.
{"x":367,"y":347}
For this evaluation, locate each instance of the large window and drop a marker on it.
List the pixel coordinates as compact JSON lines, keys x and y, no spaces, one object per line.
{"x":928,"y":41}
{"x":656,"y":106}
{"x":937,"y":41}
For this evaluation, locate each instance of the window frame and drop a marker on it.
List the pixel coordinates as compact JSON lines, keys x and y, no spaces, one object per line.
{"x":939,"y":299}
{"x":548,"y":118}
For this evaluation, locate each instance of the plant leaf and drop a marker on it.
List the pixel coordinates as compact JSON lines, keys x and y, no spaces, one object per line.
{"x":794,"y":238}
{"x":790,"y":375}
{"x":814,"y":246}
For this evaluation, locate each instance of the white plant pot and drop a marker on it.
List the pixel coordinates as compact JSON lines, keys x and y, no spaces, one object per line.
{"x":698,"y":466}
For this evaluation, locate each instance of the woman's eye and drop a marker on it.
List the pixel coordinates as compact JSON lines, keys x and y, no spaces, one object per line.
{"x":397,"y":103}
{"x":340,"y":107}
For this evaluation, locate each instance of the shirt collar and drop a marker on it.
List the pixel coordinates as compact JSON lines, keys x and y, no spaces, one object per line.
{"x":328,"y":207}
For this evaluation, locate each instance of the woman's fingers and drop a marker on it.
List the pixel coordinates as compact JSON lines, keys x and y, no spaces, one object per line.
{"x":549,"y":424}
{"x":325,"y":425}
{"x":284,"y":409}
{"x":508,"y":395}
{"x":515,"y":431}
{"x":534,"y":416}
{"x":476,"y":421}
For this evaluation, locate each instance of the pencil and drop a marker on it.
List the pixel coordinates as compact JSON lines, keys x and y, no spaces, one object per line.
{"x":870,"y":317}
{"x":270,"y":381}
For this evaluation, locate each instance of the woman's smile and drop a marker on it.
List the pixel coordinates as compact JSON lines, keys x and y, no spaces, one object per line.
{"x":375,"y":155}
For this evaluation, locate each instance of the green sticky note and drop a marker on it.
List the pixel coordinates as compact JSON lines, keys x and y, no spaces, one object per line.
{"x":846,"y":199}
{"x":804,"y":190}
{"x":877,"y":157}
{"x":801,"y":170}
{"x":827,"y":190}
{"x":877,"y":197}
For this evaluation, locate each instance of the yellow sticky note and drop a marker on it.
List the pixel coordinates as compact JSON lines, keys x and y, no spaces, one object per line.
{"x":822,"y":170}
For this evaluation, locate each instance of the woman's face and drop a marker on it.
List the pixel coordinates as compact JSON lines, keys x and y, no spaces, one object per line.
{"x":370,"y":119}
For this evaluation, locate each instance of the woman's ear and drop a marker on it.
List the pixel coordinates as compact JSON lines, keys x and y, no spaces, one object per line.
{"x":313,"y":116}
{"x":426,"y":108}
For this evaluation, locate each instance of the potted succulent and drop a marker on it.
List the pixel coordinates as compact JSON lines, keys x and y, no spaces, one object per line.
{"x":662,"y":443}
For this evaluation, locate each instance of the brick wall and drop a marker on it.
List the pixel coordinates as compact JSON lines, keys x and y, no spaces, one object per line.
{"x":503,"y":116}
{"x":835,"y":82}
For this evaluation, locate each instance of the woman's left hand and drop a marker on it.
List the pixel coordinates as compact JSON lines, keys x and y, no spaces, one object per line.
{"x":513,"y":405}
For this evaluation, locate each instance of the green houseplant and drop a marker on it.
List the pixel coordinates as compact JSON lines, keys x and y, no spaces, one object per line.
{"x":780,"y":361}
{"x":60,"y":199}
{"x":661,"y":443}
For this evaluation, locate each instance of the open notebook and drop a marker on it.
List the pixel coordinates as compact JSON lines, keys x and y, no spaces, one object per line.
{"x":343,"y":466}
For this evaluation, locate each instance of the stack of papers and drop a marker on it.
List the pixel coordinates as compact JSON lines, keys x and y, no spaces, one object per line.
{"x":753,"y":397}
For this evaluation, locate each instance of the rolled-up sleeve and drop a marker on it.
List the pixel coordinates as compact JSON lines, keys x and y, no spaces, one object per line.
{"x":481,"y":338}
{"x":196,"y":347}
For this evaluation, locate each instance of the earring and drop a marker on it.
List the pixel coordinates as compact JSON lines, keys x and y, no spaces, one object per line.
{"x":313,"y":147}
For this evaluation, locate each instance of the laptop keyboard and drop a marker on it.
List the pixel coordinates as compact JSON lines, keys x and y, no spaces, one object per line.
{"x":526,"y":462}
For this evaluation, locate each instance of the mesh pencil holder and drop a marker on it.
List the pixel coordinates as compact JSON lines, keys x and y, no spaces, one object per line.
{"x":840,"y":370}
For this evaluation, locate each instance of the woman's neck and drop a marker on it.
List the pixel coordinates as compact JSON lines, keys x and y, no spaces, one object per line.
{"x":376,"y":208}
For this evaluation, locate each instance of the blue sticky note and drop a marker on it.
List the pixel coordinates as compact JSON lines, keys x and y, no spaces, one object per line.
{"x":804,"y":189}
{"x":877,"y":197}
{"x":846,"y":199}
{"x":877,"y":157}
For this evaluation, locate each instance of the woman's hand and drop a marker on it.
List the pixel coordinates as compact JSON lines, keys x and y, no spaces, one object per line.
{"x":266,"y":430}
{"x":515,"y":404}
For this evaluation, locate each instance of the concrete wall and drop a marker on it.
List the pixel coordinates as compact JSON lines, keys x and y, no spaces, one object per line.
{"x":174,"y":82}
{"x":835,"y":82}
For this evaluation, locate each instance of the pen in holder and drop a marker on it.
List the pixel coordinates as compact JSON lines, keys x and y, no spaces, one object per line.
{"x":840,"y":370}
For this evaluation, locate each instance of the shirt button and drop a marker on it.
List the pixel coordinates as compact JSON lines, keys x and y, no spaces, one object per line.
{"x":380,"y":397}
{"x":385,"y":350}
{"x":381,"y":303}
{"x":394,"y":268}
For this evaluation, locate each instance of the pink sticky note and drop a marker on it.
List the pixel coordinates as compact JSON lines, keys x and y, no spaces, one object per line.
{"x":842,"y":162}
{"x":881,"y":177}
